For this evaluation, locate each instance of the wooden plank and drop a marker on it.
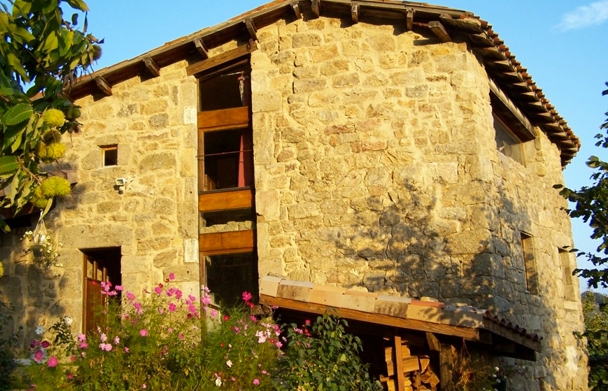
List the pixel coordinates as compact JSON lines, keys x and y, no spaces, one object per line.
{"x":152,"y":67}
{"x":446,"y":367}
{"x":433,"y":342}
{"x":213,"y":120}
{"x":440,"y":31}
{"x":299,"y":290}
{"x":470,"y":334}
{"x":220,"y":59}
{"x":398,"y":364}
{"x":226,"y":242}
{"x":225,"y":200}
{"x":511,"y":335}
{"x":408,"y":364}
{"x":103,"y":85}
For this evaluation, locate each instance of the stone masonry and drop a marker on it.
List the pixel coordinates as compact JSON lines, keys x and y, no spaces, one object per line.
{"x":376,"y":169}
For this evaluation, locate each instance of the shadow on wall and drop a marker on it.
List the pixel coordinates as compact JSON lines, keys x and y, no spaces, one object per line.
{"x":29,"y":293}
{"x":400,"y":245}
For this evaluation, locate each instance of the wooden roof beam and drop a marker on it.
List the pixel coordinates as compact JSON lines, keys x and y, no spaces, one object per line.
{"x":354,"y":12}
{"x":152,"y":67}
{"x":103,"y":85}
{"x":253,"y":32}
{"x":199,"y":44}
{"x":439,"y":30}
{"x":296,"y":10}
{"x":230,"y":55}
{"x":409,"y":19}
{"x":316,"y":7}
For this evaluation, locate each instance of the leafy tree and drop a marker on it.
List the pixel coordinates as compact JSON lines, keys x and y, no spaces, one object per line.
{"x":591,"y":205}
{"x":596,"y":324}
{"x":41,"y":54}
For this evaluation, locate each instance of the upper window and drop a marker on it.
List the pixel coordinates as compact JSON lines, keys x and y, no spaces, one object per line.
{"x":507,"y":142}
{"x":226,"y":88}
{"x":109,"y":155}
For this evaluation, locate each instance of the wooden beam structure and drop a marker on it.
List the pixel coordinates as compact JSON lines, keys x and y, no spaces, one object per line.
{"x":214,"y":120}
{"x":296,"y":10}
{"x":439,"y":30}
{"x":199,"y":44}
{"x":409,"y":19}
{"x":251,"y":30}
{"x":220,"y":59}
{"x":354,"y":12}
{"x":233,"y":242}
{"x":152,"y":67}
{"x":225,"y":200}
{"x":316,"y":7}
{"x":103,"y":85}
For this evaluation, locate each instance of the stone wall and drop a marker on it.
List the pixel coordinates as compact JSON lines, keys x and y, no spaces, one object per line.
{"x":376,"y":169}
{"x":154,"y":221}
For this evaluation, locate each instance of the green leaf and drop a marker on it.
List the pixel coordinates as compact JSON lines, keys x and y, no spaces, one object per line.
{"x":18,"y":113}
{"x":8,"y":165}
{"x":79,"y":5}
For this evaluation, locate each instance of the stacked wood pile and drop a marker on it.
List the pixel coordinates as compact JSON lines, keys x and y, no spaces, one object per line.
{"x":408,"y":366}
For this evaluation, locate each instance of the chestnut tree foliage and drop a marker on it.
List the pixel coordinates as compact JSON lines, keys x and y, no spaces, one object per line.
{"x":41,"y":55}
{"x":590,"y":203}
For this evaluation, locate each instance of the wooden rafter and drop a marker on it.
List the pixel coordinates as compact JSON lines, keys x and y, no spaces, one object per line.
{"x":354,"y":12}
{"x":103,"y":85}
{"x":250,"y":26}
{"x":230,"y":55}
{"x":152,"y":67}
{"x":296,"y":10}
{"x":199,"y":44}
{"x":316,"y":7}
{"x":409,"y":19}
{"x":439,"y":30}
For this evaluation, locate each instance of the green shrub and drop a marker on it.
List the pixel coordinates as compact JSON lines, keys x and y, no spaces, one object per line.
{"x":323,"y":358}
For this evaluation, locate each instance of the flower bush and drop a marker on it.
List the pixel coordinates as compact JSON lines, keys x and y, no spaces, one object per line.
{"x":160,"y":340}
{"x":322,"y":356}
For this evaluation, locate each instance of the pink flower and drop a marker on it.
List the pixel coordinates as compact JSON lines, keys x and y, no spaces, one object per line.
{"x":83,"y":345}
{"x":118,"y":287}
{"x":81,"y":337}
{"x":247,"y":296}
{"x":143,"y":332}
{"x":103,"y":337}
{"x":45,"y":344}
{"x":126,"y":349}
{"x":206,"y":300}
{"x":34,"y":343}
{"x":53,"y":362}
{"x":171,"y":276}
{"x":70,"y":376}
{"x":105,"y":346}
{"x":172,"y":307}
{"x":256,"y":382}
{"x":130,"y":296}
{"x":226,"y":318}
{"x":116,"y":340}
{"x":213,"y":313}
{"x":158,"y":290}
{"x":279,"y":344}
{"x":253,"y":318}
{"x":178,"y":294}
{"x":38,"y":356}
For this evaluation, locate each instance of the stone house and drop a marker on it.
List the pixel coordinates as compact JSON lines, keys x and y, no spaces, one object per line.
{"x":388,"y":148}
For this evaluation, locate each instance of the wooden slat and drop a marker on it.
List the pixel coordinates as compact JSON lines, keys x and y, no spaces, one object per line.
{"x":398,"y":363}
{"x":511,"y":335}
{"x":220,"y":59}
{"x":226,"y":242}
{"x":354,"y":13}
{"x":225,"y":200}
{"x":471,"y":334}
{"x":234,"y":118}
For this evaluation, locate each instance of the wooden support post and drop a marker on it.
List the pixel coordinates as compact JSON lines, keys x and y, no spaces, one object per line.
{"x":316,"y":7}
{"x":354,"y":11}
{"x":251,"y":29}
{"x":410,"y":19}
{"x":446,"y":367}
{"x":440,"y":31}
{"x":152,"y":67}
{"x":103,"y":85}
{"x":296,"y":10}
{"x":201,"y":48}
{"x":398,"y":363}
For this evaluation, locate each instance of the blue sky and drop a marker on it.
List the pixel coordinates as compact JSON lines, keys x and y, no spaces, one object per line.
{"x":563,"y":44}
